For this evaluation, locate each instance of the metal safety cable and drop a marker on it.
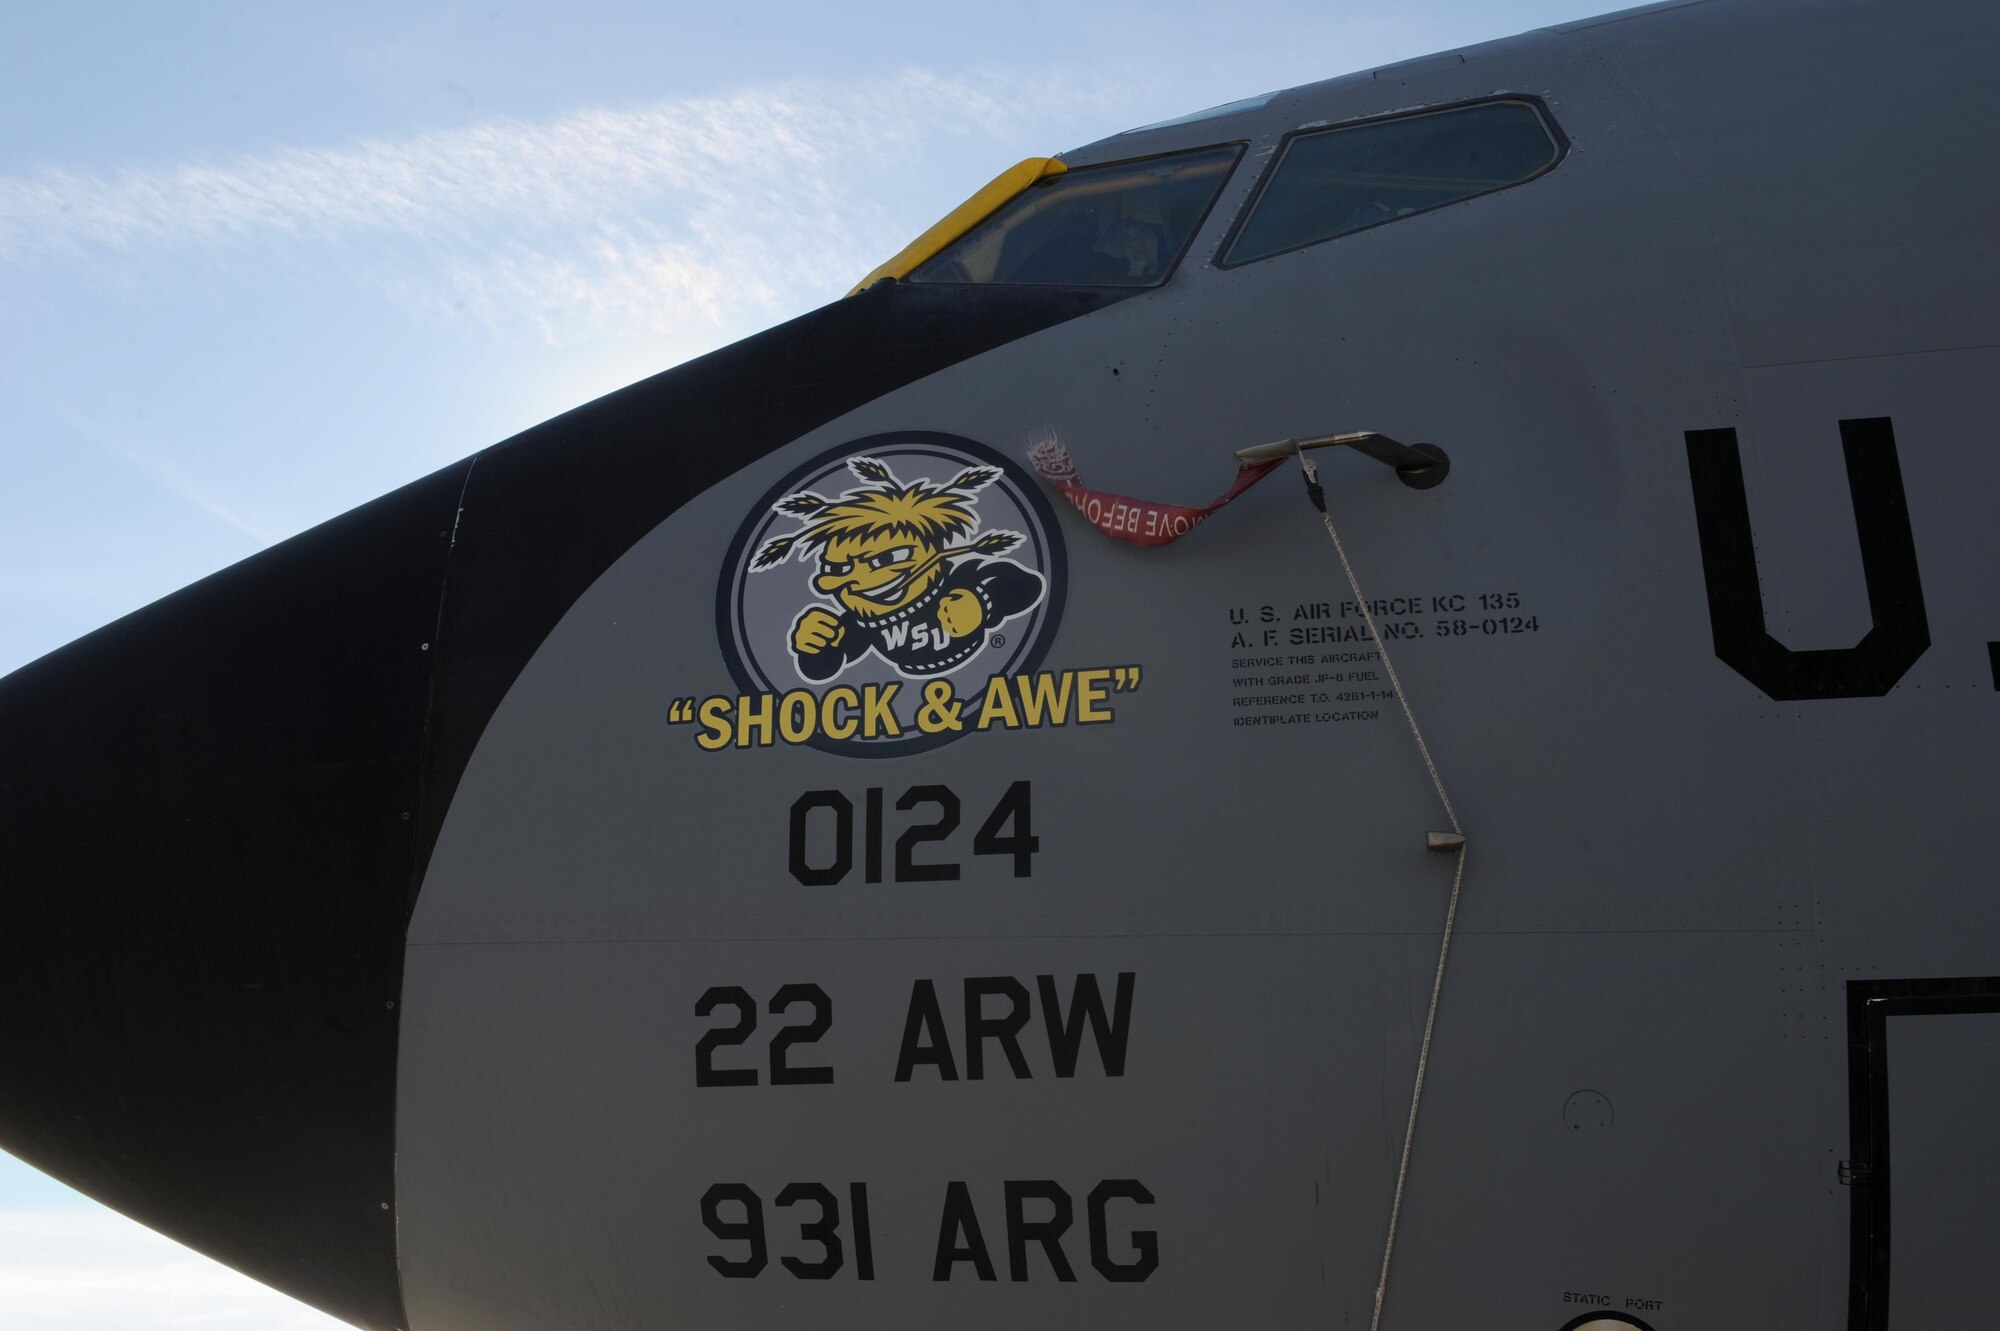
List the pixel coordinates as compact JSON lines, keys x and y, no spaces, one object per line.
{"x":1318,"y":496}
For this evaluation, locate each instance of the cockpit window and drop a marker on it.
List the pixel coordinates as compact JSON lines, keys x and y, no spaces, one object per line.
{"x":1123,"y":225}
{"x":1330,"y":182}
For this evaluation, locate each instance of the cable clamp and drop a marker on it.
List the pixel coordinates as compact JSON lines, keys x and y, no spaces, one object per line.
{"x":1419,"y":466}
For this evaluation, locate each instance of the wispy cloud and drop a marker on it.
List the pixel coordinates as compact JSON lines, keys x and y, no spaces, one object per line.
{"x":170,"y":477}
{"x":88,"y":1270}
{"x":692,"y":209}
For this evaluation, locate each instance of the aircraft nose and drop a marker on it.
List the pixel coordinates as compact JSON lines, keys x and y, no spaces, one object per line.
{"x":207,"y":833}
{"x":214,"y":814}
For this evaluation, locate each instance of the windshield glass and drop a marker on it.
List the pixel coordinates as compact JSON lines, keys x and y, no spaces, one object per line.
{"x":1122,"y":225}
{"x":1335,"y":181}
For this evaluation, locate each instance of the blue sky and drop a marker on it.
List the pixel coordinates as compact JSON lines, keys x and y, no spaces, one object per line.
{"x":262,"y":262}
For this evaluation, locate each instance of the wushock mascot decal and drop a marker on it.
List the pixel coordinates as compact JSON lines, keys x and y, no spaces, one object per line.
{"x":892,"y":595}
{"x":899,"y":588}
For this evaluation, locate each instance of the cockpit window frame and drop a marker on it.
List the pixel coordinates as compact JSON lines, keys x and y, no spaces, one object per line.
{"x":1167,"y":271}
{"x":1559,"y":140}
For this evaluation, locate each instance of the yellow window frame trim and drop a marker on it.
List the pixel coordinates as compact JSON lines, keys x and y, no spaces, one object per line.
{"x":963,"y":218}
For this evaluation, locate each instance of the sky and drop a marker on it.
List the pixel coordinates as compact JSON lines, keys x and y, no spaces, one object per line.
{"x":260,"y":263}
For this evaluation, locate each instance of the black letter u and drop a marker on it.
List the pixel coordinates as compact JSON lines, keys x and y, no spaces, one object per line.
{"x":1901,"y":633}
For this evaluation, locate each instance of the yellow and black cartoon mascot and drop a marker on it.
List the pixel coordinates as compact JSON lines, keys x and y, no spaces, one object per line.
{"x":897,"y":585}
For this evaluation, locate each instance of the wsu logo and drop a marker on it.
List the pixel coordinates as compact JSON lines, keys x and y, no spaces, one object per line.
{"x":885,"y":563}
